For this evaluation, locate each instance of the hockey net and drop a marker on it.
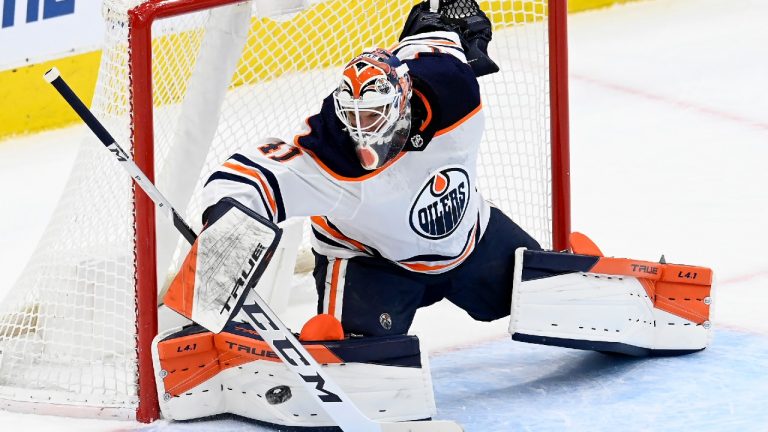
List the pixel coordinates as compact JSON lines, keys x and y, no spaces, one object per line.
{"x":182,"y":84}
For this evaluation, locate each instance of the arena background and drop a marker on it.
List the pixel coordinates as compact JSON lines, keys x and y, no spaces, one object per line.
{"x":38,"y":34}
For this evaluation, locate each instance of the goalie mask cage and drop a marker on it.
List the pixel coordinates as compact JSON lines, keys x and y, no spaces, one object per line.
{"x":182,"y":84}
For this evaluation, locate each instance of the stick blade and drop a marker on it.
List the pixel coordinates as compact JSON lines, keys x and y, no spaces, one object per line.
{"x":422,"y":426}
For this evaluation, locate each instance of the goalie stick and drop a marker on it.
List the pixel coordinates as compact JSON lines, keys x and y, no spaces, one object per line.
{"x":54,"y":77}
{"x":327,"y":393}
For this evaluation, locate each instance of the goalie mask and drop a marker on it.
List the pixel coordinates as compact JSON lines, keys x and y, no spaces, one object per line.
{"x":373,"y":103}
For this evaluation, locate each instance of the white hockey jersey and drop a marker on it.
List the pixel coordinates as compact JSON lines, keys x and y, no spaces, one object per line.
{"x":421,"y":210}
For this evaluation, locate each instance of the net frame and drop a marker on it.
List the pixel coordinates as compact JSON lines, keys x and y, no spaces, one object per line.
{"x":142,"y":18}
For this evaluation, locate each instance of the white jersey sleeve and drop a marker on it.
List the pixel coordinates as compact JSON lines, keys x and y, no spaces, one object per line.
{"x":444,"y":42}
{"x":277,"y":180}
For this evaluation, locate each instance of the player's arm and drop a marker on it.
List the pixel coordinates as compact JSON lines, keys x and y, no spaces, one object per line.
{"x":245,"y":198}
{"x":446,"y":90}
{"x":435,"y":42}
{"x":443,"y":64}
{"x":465,"y":19}
{"x":275,"y":179}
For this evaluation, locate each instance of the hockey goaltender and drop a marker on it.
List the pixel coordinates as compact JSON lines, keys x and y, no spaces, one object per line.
{"x":387,"y":171}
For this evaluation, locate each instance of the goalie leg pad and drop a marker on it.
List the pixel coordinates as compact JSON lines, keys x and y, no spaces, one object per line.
{"x":610,"y":304}
{"x":225,"y":262}
{"x":235,"y":371}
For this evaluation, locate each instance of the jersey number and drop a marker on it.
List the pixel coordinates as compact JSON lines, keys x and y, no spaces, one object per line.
{"x":278,"y":152}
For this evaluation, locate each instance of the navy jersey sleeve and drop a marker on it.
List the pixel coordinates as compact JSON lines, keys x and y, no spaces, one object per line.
{"x":329,"y":142}
{"x":444,"y":84}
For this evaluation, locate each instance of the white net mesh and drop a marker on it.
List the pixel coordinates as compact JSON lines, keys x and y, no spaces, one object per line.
{"x":68,"y":328}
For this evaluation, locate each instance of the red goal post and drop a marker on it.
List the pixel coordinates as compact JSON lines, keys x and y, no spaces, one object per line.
{"x":183,"y":83}
{"x":141,"y":19}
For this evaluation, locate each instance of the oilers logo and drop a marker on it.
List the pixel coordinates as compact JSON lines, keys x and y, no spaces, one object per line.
{"x":441,"y":204}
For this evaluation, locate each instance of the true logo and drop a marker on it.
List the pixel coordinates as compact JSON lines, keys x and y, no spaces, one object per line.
{"x":441,"y":203}
{"x":245,"y":276}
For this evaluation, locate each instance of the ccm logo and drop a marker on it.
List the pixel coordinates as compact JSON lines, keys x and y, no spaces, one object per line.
{"x":289,"y":352}
{"x":51,"y":9}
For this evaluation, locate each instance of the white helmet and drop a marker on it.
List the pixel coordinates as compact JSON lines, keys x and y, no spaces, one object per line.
{"x":373,"y":103}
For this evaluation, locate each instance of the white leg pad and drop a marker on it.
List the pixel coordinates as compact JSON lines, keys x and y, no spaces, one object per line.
{"x":603,"y":312}
{"x":202,"y":374}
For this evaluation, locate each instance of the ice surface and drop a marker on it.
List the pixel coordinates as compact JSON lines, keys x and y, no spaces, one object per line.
{"x":669,"y":143}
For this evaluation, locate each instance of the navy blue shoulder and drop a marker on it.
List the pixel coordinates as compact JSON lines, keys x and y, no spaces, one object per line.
{"x":449,"y":86}
{"x":330,"y":143}
{"x":445,"y":91}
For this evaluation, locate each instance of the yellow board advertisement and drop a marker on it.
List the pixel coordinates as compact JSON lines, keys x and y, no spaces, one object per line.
{"x":38,"y":34}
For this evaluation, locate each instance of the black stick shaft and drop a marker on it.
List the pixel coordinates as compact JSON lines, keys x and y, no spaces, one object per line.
{"x":53,"y":77}
{"x":79,"y":107}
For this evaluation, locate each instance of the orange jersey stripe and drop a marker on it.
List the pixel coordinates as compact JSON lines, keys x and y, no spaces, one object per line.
{"x":331,"y":172}
{"x":433,"y":267}
{"x":429,"y":110}
{"x":338,"y":235}
{"x":257,"y":175}
{"x":458,"y":123}
{"x":334,"y":288}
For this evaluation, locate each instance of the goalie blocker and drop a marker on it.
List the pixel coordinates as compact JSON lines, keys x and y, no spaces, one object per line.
{"x":605,"y":304}
{"x":225,"y":262}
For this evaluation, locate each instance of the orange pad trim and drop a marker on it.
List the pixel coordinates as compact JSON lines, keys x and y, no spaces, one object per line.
{"x":181,"y":294}
{"x":192,"y":360}
{"x":684,"y":300}
{"x":322,"y":327}
{"x":628,"y":267}
{"x":678,"y":289}
{"x":583,"y":245}
{"x":188,"y":362}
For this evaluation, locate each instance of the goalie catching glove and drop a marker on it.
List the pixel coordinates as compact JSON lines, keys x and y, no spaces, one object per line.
{"x":463,"y":17}
{"x":225,"y":262}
